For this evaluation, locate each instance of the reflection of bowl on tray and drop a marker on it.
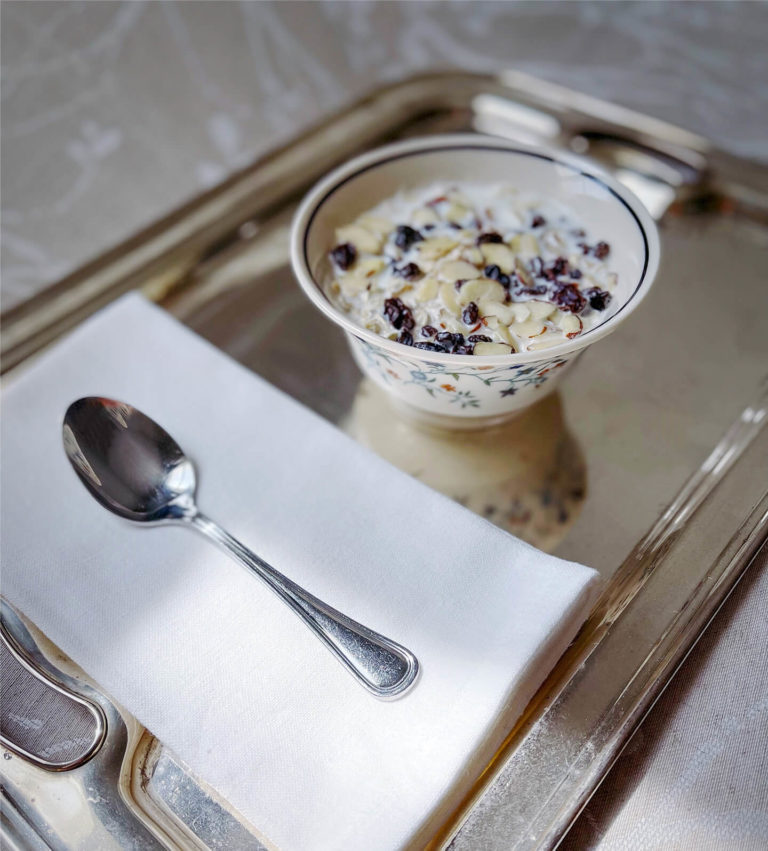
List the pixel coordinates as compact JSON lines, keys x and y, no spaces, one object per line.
{"x":458,"y":389}
{"x":527,"y":476}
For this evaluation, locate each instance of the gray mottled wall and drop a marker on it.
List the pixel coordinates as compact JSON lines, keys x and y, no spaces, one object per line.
{"x":115,"y":112}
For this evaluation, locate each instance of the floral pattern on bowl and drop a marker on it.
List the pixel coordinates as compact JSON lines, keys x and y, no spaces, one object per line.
{"x":460,"y":391}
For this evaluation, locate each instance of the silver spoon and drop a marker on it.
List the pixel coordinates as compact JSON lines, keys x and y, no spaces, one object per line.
{"x":137,"y":470}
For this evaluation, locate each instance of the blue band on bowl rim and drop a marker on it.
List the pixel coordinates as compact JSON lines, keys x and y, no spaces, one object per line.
{"x":504,"y":149}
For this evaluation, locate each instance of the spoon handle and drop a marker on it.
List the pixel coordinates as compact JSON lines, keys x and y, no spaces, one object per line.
{"x":384,"y":667}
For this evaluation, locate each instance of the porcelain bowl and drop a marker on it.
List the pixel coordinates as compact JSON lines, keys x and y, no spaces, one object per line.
{"x":468,"y":390}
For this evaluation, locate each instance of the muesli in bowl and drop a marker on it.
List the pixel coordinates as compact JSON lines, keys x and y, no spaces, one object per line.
{"x":469,"y":272}
{"x":472,"y":269}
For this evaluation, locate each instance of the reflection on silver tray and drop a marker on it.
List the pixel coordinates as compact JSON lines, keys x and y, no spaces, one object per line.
{"x":649,"y":465}
{"x":526,"y":476}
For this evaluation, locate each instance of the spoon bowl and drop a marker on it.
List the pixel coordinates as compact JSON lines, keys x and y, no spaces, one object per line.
{"x":130,"y":464}
{"x":133,"y":467}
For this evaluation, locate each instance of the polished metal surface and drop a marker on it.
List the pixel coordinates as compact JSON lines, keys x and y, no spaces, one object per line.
{"x":133,"y":467}
{"x":46,"y":724}
{"x":85,"y":806}
{"x":665,"y":419}
{"x":169,"y":794}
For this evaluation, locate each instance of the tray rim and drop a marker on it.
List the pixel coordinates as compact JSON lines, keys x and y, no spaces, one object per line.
{"x":643,"y":567}
{"x":167,"y":251}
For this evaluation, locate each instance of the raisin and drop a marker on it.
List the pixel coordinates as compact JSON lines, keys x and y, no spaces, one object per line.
{"x":454,"y":225}
{"x":450,"y":340}
{"x":539,"y":289}
{"x":560,"y":266}
{"x":492,"y":271}
{"x":466,"y":349}
{"x":505,"y":281}
{"x":601,"y":250}
{"x":575,"y":274}
{"x":406,"y":338}
{"x":429,"y":347}
{"x":598,"y":299}
{"x":393,"y":310}
{"x":410,"y":272}
{"x":344,"y":255}
{"x":398,"y":314}
{"x":537,"y":267}
{"x":569,"y":298}
{"x":538,"y":221}
{"x":428,"y":331}
{"x":406,"y":236}
{"x":470,"y":314}
{"x":490,"y":236}
{"x":479,"y":338}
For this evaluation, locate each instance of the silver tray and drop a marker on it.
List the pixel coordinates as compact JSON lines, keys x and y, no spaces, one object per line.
{"x":651,"y":463}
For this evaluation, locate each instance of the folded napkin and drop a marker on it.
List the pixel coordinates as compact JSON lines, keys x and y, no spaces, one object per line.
{"x":210,"y":660}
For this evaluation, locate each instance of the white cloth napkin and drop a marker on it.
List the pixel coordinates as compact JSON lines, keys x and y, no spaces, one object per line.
{"x":207,"y":657}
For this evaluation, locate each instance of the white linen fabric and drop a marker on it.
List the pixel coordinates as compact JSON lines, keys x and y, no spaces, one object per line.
{"x":207,"y":657}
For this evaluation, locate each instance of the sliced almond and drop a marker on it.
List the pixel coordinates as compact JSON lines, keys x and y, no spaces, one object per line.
{"x":522,"y":272}
{"x":448,"y":297}
{"x":497,"y":254}
{"x":452,"y":323}
{"x":370,"y":266}
{"x":456,"y":213}
{"x":376,"y":224}
{"x":457,"y":270}
{"x":353,"y":284}
{"x":436,"y":247}
{"x":361,"y":238}
{"x":521,"y":310}
{"x":493,"y":323}
{"x":492,"y":349}
{"x":546,"y":343}
{"x":569,"y":324}
{"x":531,"y":328}
{"x":473,"y":255}
{"x":481,"y":288}
{"x":426,"y":290}
{"x":491,"y":307}
{"x":540,"y":309}
{"x":525,"y":245}
{"x":457,"y":197}
{"x":425,"y":216}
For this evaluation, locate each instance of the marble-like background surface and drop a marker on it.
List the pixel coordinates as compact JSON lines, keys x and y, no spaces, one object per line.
{"x":115,"y":112}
